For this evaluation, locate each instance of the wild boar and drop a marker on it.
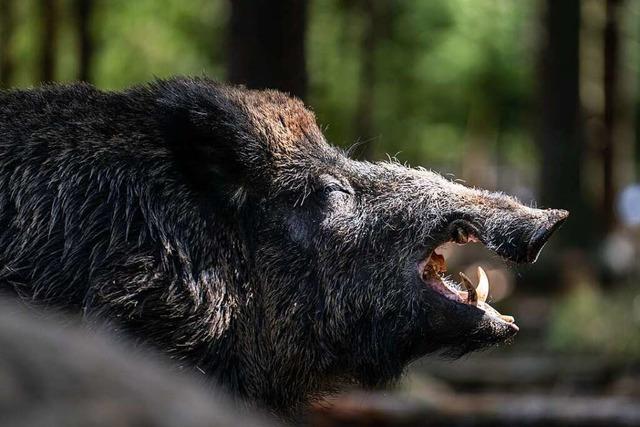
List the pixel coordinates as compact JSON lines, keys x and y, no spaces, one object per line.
{"x":216,"y":224}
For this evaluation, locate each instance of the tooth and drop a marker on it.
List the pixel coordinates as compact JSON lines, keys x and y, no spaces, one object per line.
{"x":506,"y":318}
{"x":472,"y":296}
{"x":483,"y":285}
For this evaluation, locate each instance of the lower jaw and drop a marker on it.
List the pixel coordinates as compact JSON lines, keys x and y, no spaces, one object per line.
{"x":432,"y":271}
{"x":468,"y":336}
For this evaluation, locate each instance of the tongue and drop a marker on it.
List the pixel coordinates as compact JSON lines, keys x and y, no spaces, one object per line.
{"x":438,"y":263}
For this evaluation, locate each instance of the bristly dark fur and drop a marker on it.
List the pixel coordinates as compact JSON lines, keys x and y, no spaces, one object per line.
{"x":216,"y":224}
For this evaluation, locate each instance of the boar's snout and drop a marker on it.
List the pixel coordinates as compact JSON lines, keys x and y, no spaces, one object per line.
{"x":520,"y":236}
{"x":555,"y":218}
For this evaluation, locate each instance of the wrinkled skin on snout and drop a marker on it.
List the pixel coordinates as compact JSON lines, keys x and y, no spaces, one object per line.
{"x":217,"y":225}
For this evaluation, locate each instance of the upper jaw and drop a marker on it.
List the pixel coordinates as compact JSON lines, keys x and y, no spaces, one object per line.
{"x":527,"y":232}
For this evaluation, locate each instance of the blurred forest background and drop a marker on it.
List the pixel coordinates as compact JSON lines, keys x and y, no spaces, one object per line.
{"x":537,"y":98}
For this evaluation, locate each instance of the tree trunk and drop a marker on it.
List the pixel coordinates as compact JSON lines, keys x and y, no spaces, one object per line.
{"x":6,"y":31}
{"x":561,"y":136}
{"x":611,"y":79}
{"x":84,"y":9}
{"x":48,"y":14}
{"x":366,"y":98}
{"x":267,"y":45}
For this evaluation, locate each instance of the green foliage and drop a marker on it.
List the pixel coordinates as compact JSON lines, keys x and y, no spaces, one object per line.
{"x":142,"y":39}
{"x":25,"y":43}
{"x":135,"y":41}
{"x":439,"y":67}
{"x":590,"y":321}
{"x":447,"y":71}
{"x":333,"y":64}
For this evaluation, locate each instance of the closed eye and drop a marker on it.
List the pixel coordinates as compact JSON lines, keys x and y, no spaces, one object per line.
{"x":336,"y":187}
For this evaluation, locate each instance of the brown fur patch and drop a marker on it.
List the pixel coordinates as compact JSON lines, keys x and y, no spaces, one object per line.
{"x":282,"y":122}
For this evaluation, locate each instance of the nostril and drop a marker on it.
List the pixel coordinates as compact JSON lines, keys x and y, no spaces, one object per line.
{"x":540,"y":237}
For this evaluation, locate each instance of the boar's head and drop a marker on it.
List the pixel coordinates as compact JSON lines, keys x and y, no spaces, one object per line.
{"x":344,"y":268}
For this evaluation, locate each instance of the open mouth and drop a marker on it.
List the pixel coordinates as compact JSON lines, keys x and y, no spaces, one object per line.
{"x":432,"y":271}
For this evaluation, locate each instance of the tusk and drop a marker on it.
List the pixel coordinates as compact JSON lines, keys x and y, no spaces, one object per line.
{"x":506,"y":318}
{"x":483,"y":285}
{"x":472,"y":296}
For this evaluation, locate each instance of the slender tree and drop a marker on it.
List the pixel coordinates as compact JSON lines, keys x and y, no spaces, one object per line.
{"x":84,"y":9}
{"x":365,"y":129}
{"x":49,"y":22}
{"x":611,"y":103}
{"x":561,"y":136}
{"x":6,"y":31}
{"x":376,"y":17}
{"x":267,"y":44}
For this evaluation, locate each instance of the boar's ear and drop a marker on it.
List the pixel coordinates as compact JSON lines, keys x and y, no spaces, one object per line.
{"x":208,"y":143}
